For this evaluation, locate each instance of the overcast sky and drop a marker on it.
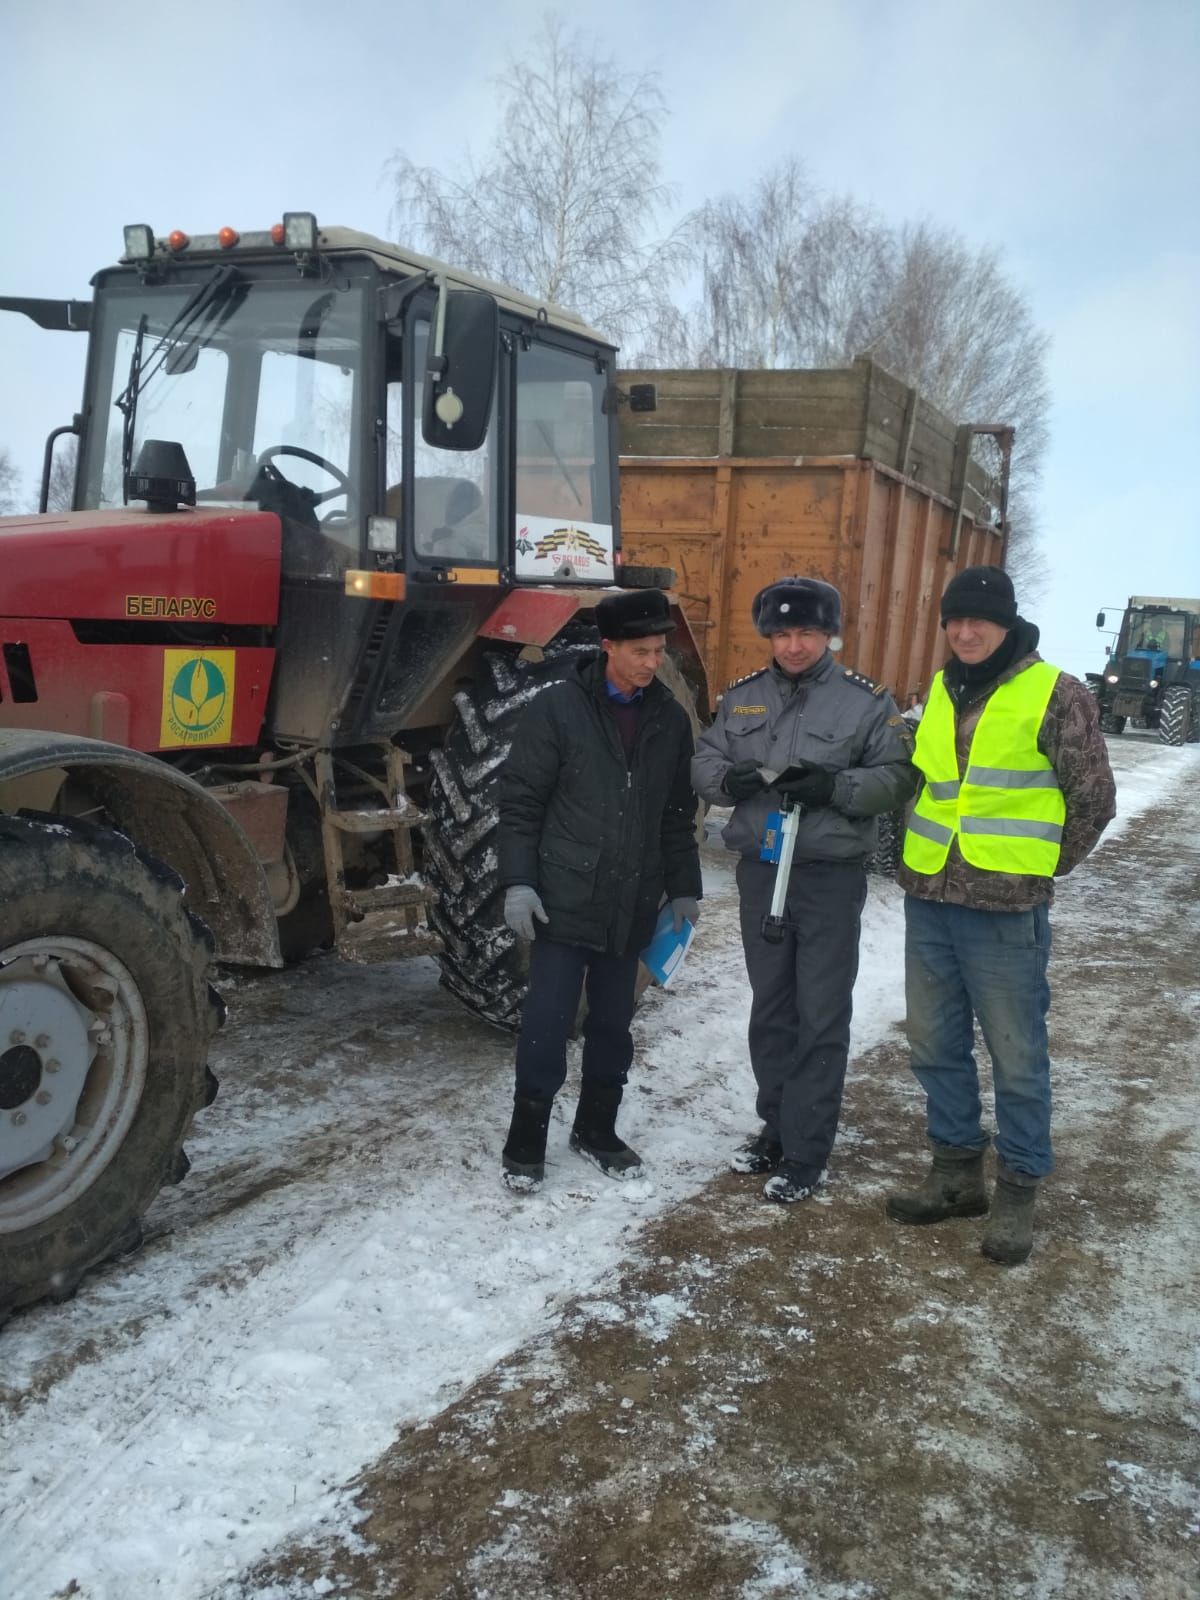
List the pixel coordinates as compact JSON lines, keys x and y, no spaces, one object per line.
{"x":1065,"y":131}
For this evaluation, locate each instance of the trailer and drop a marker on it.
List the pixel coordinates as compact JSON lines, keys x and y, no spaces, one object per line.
{"x":737,"y":478}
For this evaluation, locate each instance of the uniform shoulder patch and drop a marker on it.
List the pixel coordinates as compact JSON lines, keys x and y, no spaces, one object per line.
{"x":863,"y":681}
{"x":750,"y":676}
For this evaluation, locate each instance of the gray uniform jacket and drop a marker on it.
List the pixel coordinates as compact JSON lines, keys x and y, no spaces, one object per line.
{"x":829,"y":716}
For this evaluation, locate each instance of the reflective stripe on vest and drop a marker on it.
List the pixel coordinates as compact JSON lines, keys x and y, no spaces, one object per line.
{"x":1007,"y":811}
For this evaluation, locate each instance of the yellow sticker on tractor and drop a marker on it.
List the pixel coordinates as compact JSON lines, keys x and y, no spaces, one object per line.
{"x":197,"y":705}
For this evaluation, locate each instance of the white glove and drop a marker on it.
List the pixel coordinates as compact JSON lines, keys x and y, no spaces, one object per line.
{"x":521,"y":905}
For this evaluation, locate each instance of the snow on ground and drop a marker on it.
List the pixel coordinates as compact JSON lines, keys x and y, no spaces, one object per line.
{"x":343,"y":1260}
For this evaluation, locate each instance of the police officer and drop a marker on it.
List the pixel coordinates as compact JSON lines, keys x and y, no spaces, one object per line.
{"x":847,"y":748}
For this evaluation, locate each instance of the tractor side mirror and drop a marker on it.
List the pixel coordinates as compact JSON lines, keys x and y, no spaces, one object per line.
{"x":460,"y":375}
{"x":1099,"y":619}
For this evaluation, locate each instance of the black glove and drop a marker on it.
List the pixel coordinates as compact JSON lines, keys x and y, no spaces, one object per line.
{"x":743,"y":781}
{"x":813,"y":787}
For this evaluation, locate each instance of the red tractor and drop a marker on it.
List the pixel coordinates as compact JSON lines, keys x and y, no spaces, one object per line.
{"x":340,"y":511}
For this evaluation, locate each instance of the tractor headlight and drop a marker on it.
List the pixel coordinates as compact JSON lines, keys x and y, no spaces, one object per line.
{"x":139,"y":242}
{"x":1111,"y":678}
{"x":300,"y":230}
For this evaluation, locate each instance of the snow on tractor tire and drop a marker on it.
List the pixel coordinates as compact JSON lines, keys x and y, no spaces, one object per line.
{"x":106,"y":1014}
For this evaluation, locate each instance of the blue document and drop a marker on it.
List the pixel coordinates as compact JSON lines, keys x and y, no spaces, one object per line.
{"x":663,"y":956}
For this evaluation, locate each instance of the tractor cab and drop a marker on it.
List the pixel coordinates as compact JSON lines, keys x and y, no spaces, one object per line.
{"x":423,"y":436}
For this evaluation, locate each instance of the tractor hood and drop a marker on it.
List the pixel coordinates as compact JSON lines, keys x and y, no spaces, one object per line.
{"x":184,"y":566}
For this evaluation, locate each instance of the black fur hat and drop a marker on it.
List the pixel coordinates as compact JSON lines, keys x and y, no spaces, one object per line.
{"x":797,"y":603}
{"x":634,"y":614}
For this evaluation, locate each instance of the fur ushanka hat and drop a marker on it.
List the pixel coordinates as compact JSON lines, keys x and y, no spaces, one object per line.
{"x":797,"y":603}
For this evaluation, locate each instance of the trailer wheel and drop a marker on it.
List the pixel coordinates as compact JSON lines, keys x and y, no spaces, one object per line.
{"x":884,"y":861}
{"x":105,"y":1019}
{"x":1175,"y":715}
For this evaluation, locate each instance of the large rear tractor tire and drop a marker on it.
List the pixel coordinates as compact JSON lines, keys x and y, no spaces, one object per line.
{"x":483,"y":963}
{"x":1175,"y":716}
{"x":106,"y":1014}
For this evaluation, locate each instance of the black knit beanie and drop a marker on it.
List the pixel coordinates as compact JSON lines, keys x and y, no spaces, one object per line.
{"x":984,"y":592}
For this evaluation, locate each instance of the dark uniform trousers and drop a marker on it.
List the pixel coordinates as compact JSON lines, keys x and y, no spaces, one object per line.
{"x":802,"y":989}
{"x":556,"y":979}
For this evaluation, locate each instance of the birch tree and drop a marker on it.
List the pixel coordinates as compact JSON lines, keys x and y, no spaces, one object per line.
{"x":565,"y":202}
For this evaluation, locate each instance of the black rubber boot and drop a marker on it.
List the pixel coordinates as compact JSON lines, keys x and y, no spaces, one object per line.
{"x":760,"y":1154}
{"x":524,"y":1157}
{"x":594,"y":1135}
{"x":953,"y":1187}
{"x":1008,"y":1237}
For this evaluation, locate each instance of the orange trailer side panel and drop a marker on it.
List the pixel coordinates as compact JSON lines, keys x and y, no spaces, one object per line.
{"x":730,"y":525}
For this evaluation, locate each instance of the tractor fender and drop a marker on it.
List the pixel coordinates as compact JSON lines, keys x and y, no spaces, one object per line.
{"x":168,"y":816}
{"x":535,"y":616}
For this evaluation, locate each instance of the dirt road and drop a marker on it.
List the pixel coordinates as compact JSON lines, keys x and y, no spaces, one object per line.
{"x":348,"y":1363}
{"x":811,"y":1402}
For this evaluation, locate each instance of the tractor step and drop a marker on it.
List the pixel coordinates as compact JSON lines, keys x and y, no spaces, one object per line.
{"x":383,"y":936}
{"x":376,"y":819}
{"x":389,"y":896}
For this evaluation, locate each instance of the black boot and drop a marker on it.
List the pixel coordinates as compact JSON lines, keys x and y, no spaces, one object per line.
{"x":595,"y":1132}
{"x":1008,"y":1237}
{"x":953,"y":1187}
{"x":524,"y":1157}
{"x":760,"y":1154}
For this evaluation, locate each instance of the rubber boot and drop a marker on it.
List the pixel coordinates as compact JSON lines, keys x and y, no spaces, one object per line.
{"x":594,"y":1135}
{"x":953,"y":1187}
{"x":524,"y":1156}
{"x":1008,"y":1237}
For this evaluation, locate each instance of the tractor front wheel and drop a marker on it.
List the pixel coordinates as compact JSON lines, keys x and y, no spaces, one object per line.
{"x":105,"y":1020}
{"x":1175,"y":716}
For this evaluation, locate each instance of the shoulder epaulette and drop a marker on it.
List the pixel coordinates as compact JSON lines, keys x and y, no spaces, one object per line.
{"x":749,"y":676}
{"x":863,"y":681}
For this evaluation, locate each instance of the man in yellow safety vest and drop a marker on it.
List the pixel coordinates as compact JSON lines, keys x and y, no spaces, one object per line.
{"x":1016,"y":790}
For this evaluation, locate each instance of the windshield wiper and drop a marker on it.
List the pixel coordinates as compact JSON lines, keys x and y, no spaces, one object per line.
{"x":186,"y":325}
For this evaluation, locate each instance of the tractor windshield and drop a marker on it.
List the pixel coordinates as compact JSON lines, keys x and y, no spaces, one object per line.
{"x":1157,"y":631}
{"x":261,"y":390}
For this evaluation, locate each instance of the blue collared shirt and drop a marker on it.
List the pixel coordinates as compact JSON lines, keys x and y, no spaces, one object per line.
{"x":625,"y":699}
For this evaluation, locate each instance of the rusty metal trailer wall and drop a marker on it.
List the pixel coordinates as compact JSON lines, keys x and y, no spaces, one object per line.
{"x":729,"y":526}
{"x":741,"y":477}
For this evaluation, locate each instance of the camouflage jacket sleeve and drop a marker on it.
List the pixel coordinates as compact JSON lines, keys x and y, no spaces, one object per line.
{"x":1071,"y":740}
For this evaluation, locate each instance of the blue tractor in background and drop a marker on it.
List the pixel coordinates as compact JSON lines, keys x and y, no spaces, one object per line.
{"x":1153,"y":670}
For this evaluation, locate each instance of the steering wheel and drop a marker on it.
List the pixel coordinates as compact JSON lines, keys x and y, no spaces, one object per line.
{"x":343,"y":482}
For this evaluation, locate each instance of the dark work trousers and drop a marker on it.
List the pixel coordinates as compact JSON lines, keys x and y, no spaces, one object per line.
{"x":556,"y":979}
{"x":800,"y":1014}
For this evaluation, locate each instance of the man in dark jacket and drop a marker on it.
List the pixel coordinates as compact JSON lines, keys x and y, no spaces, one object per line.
{"x":1016,"y":791}
{"x":597,"y":819}
{"x":847,"y":749}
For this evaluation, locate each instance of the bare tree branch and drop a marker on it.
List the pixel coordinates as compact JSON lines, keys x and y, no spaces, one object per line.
{"x":10,"y":484}
{"x":791,"y":278}
{"x":566,"y":201}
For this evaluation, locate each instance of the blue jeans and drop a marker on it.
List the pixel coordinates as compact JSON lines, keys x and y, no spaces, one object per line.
{"x":961,"y":964}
